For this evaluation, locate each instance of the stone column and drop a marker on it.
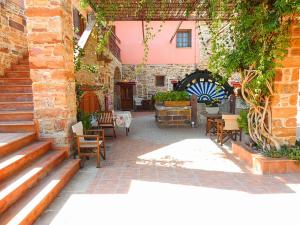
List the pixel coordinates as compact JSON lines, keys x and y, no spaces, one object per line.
{"x":50,"y":45}
{"x":284,"y":102}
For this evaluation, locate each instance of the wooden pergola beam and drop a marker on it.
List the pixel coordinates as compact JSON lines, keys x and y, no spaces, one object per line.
{"x":177,"y":28}
{"x":175,"y":10}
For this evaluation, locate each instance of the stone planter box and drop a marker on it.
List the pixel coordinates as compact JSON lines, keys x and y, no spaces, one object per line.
{"x":176,"y":103}
{"x":262,"y":164}
{"x":173,"y":116}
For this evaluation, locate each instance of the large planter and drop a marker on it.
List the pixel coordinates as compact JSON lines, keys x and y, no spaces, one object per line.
{"x":262,"y":164}
{"x":177,"y":103}
{"x":212,"y":110}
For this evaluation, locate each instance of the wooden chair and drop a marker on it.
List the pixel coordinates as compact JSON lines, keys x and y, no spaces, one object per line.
{"x":211,"y":124}
{"x":106,"y":121}
{"x":90,"y":143}
{"x":228,"y":128}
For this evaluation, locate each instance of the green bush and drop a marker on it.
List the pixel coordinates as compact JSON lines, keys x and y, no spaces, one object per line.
{"x":290,"y":152}
{"x":243,"y":120}
{"x":172,"y":96}
{"x":86,"y":119}
{"x":213,"y":103}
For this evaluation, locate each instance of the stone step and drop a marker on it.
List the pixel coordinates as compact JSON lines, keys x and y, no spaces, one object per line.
{"x":11,"y":142}
{"x":17,"y":126}
{"x":16,"y":106}
{"x":18,"y":97}
{"x":17,"y":74}
{"x":32,"y":205}
{"x":15,"y":81}
{"x":20,"y":67}
{"x":14,"y":162}
{"x":14,"y":188}
{"x":16,"y":115}
{"x":15,"y":89}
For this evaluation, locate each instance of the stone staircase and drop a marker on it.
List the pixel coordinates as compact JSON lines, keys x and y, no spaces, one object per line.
{"x":31,"y":173}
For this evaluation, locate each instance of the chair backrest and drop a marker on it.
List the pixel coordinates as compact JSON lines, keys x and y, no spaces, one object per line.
{"x":231,"y":122}
{"x":78,"y":128}
{"x":106,"y":117}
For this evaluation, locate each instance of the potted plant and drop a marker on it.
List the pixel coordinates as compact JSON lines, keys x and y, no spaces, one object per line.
{"x":243,"y":124}
{"x":86,"y":119}
{"x":212,"y":107}
{"x":173,"y":98}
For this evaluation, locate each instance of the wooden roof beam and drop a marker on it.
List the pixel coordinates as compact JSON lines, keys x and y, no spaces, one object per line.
{"x":173,"y":36}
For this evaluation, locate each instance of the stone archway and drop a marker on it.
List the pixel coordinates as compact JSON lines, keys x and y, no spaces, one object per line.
{"x":117,"y":78}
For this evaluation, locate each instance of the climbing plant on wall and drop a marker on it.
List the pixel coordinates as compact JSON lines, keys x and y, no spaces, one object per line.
{"x":256,"y":39}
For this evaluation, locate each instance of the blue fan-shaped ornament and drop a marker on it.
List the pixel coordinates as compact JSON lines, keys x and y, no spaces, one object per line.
{"x":207,"y":91}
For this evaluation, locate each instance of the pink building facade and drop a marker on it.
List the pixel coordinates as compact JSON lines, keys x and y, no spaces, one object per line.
{"x":163,"y":49}
{"x":173,"y":52}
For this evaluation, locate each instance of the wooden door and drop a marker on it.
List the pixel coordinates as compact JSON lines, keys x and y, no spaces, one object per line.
{"x":89,"y":103}
{"x":127,"y":97}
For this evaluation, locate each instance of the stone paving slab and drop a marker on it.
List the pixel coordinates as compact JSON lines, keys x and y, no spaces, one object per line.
{"x":172,"y":176}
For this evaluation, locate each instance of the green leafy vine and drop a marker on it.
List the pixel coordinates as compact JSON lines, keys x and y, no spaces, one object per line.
{"x":247,"y":37}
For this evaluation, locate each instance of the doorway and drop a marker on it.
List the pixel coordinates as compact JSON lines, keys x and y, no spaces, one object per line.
{"x":127,"y":97}
{"x":127,"y":90}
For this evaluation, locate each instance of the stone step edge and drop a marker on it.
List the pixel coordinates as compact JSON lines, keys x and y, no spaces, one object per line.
{"x":18,"y":186}
{"x":14,"y":162}
{"x":17,"y":143}
{"x":31,"y":206}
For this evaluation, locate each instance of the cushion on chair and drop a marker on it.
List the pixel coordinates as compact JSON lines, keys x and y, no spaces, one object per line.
{"x":89,"y":143}
{"x":78,"y":129}
{"x":231,"y":122}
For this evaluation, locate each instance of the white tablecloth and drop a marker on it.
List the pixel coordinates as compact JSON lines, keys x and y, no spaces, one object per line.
{"x":123,"y":118}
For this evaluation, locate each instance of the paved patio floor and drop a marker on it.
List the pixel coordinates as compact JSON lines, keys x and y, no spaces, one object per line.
{"x":173,"y":176}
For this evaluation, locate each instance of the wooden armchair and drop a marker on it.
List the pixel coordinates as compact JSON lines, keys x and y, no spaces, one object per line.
{"x":91,"y":144}
{"x":228,"y":128}
{"x":106,"y":121}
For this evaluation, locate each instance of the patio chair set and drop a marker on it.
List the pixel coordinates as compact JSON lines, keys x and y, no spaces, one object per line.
{"x":224,"y":126}
{"x":91,"y":143}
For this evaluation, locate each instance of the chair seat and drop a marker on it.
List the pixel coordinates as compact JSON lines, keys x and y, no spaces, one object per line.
{"x":89,"y":143}
{"x":106,"y":125}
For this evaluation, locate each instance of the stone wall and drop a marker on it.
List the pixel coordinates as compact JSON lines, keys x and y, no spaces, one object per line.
{"x":13,"y":41}
{"x":50,"y":46}
{"x":284,"y":102}
{"x":104,"y":79}
{"x":146,"y":77}
{"x":204,"y":44}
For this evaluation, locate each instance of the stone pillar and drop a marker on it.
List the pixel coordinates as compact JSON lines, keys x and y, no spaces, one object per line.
{"x":284,"y":102}
{"x":50,"y":45}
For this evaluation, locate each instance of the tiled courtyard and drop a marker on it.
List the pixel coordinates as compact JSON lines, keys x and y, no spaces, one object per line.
{"x":173,"y":176}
